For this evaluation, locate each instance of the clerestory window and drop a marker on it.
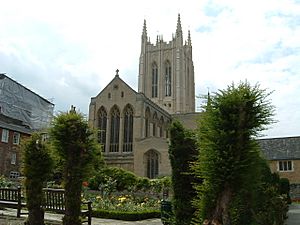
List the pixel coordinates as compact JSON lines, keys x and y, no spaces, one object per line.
{"x":147,"y":118}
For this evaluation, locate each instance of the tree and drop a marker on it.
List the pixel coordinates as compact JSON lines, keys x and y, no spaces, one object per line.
{"x":182,"y":152}
{"x":77,"y":149}
{"x":37,"y":165}
{"x":232,"y":119}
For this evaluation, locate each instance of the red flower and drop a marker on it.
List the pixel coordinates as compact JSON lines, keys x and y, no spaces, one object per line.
{"x":85,"y":183}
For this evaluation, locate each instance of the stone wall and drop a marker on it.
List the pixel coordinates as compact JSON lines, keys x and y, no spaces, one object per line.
{"x":293,"y":176}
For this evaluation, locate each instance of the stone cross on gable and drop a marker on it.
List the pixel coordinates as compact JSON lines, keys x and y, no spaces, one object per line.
{"x":117,"y":72}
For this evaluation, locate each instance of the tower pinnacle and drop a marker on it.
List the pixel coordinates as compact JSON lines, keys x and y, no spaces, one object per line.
{"x":189,"y":38}
{"x":179,"y":38}
{"x":145,"y":29}
{"x":178,"y":29}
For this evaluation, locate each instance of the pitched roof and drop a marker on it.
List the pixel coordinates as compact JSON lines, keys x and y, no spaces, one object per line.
{"x":138,"y":94}
{"x":280,"y":148}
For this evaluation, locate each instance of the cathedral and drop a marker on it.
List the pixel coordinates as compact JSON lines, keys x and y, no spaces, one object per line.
{"x":133,"y":125}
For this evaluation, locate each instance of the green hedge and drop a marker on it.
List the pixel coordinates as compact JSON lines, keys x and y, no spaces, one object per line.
{"x":127,"y":216}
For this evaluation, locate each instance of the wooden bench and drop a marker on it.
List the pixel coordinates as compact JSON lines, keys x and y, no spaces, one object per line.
{"x":12,"y":198}
{"x":54,"y":201}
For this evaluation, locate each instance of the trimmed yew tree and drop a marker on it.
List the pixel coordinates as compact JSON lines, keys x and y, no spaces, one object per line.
{"x":37,"y":165}
{"x":228,"y":154}
{"x":77,"y":148}
{"x":182,"y":152}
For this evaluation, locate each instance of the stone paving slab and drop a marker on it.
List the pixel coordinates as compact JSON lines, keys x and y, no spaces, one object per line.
{"x":293,"y":215}
{"x":8,"y":217}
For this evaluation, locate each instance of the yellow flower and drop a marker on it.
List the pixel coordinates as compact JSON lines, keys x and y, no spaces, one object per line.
{"x":122,"y":199}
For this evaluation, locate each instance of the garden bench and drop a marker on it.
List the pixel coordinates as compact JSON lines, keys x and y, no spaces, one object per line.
{"x":55,"y":201}
{"x":12,"y":198}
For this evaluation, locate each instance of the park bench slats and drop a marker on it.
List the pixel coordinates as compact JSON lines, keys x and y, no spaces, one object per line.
{"x":12,"y":198}
{"x":54,"y":199}
{"x":9,"y":194}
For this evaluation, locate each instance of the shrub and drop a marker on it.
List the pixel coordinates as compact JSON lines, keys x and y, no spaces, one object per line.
{"x":285,"y":189}
{"x":5,"y":183}
{"x":37,"y":169}
{"x":111,"y":179}
{"x":124,"y":179}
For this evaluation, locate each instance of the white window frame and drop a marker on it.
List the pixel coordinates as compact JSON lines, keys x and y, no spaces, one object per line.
{"x":13,"y":160}
{"x":14,"y":174}
{"x":285,"y":166}
{"x":5,"y":135}
{"x":16,"y":138}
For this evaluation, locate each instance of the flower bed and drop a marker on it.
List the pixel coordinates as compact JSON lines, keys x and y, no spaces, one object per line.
{"x":125,"y":207}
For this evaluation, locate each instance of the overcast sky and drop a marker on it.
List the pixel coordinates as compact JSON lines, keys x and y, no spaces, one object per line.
{"x":68,"y":51}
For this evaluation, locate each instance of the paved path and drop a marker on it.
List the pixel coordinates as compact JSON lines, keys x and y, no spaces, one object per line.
{"x":293,"y":215}
{"x":8,"y":217}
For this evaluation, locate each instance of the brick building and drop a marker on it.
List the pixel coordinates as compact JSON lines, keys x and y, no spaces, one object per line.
{"x":12,"y":132}
{"x":21,"y":112}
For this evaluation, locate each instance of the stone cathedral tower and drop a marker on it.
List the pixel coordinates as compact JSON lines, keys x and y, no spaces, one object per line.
{"x":166,"y":72}
{"x":133,"y":126}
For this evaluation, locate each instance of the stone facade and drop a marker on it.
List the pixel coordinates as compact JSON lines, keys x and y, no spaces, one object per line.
{"x":133,"y":126}
{"x":166,"y":72}
{"x":293,"y":175}
{"x":146,"y":137}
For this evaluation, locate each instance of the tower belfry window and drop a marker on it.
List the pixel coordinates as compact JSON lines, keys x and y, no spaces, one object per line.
{"x":168,"y":81}
{"x":154,"y":81}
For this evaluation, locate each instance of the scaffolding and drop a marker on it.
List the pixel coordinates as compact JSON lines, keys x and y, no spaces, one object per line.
{"x":18,"y":102}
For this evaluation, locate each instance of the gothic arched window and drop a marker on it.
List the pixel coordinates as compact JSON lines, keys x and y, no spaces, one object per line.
{"x":168,"y":78}
{"x":154,"y":124}
{"x":128,"y":129}
{"x":114,"y":129}
{"x":152,"y":164}
{"x":102,"y":126}
{"x":161,"y":124}
{"x":154,"y":80}
{"x":147,"y":118}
